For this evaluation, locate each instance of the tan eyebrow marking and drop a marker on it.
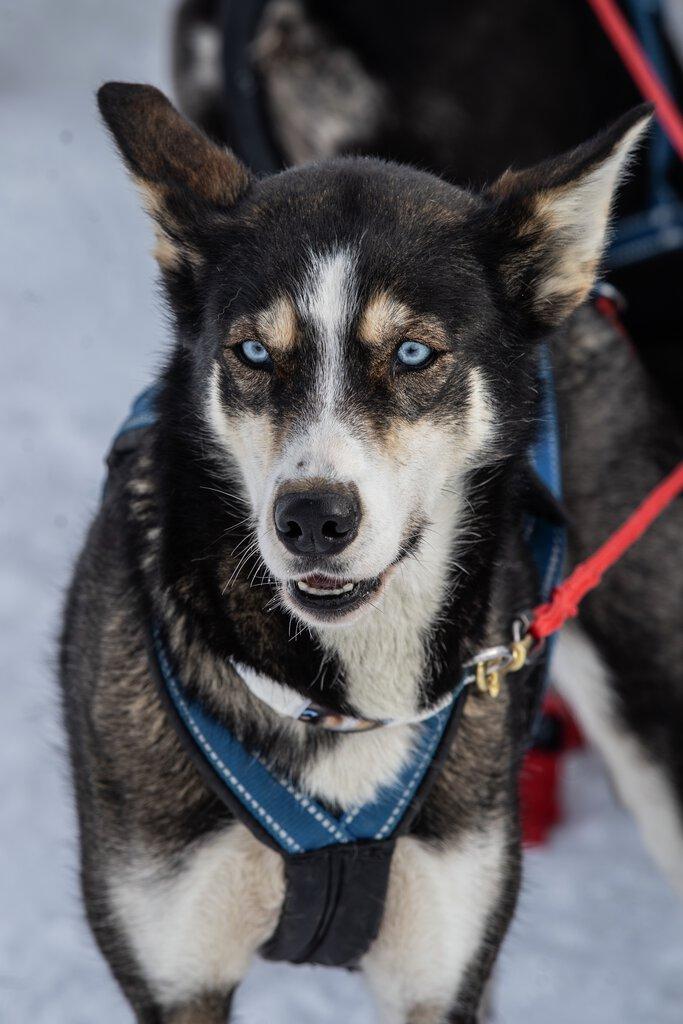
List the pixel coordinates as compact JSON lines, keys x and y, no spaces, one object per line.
{"x":383,"y":318}
{"x":386,"y":320}
{"x":276,"y":326}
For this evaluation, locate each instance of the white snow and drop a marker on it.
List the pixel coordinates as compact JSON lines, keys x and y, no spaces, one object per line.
{"x":598,"y":938}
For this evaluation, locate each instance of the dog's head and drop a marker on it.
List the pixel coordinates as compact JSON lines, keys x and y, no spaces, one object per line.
{"x":362,"y":334}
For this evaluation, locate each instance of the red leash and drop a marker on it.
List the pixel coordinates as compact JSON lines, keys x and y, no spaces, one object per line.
{"x":563,"y":604}
{"x":625,"y":42}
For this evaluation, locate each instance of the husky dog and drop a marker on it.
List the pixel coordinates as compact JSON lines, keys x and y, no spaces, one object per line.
{"x":333,"y":496}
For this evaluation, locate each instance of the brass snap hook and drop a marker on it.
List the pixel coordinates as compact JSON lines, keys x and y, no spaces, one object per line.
{"x":493,"y":665}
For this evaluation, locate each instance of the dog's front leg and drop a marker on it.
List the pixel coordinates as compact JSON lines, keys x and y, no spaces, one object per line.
{"x":191,"y":923}
{"x":212,"y":1008}
{"x":447,"y":910}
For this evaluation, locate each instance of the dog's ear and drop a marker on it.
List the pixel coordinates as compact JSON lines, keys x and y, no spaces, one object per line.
{"x":182,"y":175}
{"x":550,"y":222}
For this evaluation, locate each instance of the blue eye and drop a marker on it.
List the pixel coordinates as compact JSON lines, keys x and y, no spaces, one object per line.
{"x":414,"y":354}
{"x":255,"y":353}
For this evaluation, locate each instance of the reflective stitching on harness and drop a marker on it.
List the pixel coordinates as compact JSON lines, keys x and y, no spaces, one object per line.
{"x":353,"y":813}
{"x":217,"y":761}
{"x":554,"y":469}
{"x":410,"y":787}
{"x":555,"y":464}
{"x":314,"y":810}
{"x":553,"y":567}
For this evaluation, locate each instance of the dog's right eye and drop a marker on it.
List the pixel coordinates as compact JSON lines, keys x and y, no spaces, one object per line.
{"x":253,"y":353}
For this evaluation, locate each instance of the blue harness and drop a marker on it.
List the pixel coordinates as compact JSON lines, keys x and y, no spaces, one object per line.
{"x":297,"y":822}
{"x":657,"y":229}
{"x":320,"y":846}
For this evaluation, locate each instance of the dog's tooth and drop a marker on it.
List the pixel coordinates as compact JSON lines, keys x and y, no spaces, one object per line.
{"x":324,"y":592}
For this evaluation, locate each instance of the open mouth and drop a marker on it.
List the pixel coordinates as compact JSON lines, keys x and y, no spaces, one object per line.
{"x":331,"y":597}
{"x":327,"y":598}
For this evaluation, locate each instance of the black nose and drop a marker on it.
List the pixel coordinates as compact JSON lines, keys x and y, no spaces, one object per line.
{"x":316,"y":522}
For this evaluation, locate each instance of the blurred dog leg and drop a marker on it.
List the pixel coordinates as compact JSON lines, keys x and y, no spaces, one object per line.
{"x":584,"y":679}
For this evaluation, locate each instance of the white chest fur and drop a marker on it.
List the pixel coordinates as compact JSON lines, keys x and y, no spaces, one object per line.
{"x":196,"y":929}
{"x":384,"y":654}
{"x":359,"y":765}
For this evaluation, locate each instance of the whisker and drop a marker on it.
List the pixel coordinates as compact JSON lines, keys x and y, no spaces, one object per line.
{"x":249,"y":553}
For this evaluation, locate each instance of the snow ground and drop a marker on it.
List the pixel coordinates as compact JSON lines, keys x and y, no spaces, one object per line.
{"x":598,"y":938}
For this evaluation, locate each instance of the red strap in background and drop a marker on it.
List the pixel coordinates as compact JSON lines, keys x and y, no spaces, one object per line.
{"x":563,"y":604}
{"x":625,"y":42}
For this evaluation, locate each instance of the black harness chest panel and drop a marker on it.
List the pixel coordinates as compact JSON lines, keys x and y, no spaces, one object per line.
{"x":334,"y":902}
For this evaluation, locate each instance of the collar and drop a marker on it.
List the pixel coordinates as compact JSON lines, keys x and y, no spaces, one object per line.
{"x":286,"y":702}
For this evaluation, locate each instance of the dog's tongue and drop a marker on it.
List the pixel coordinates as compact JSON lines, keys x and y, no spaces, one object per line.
{"x":323,"y":582}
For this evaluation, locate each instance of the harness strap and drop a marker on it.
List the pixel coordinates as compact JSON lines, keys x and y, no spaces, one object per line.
{"x":295,"y":821}
{"x":546,"y":534}
{"x":334,"y":902}
{"x":636,"y":62}
{"x":334,"y":898}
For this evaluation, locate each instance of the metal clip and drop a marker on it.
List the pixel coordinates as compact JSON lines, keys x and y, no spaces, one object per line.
{"x":490,"y":667}
{"x":494,"y":664}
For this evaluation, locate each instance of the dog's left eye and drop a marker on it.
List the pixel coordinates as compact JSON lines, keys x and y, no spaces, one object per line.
{"x":254,"y":353}
{"x":413,"y":354}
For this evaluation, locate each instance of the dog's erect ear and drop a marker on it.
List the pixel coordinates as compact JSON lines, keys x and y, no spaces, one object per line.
{"x":182,"y":174}
{"x":551,"y":221}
